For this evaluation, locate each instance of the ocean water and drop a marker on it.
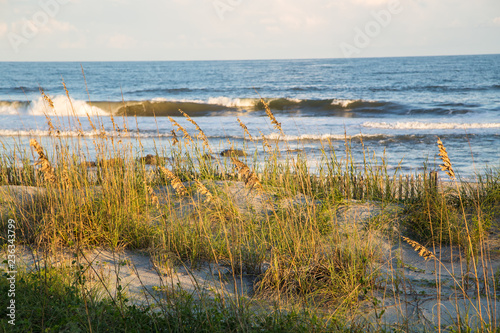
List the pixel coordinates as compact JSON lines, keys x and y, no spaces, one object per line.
{"x":393,"y":107}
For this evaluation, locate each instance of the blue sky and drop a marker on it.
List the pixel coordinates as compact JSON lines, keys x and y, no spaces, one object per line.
{"x":94,"y":30}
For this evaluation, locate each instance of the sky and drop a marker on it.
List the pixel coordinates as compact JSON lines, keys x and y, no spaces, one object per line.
{"x":120,"y":30}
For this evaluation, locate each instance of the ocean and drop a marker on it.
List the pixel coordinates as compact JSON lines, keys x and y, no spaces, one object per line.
{"x":388,"y":109}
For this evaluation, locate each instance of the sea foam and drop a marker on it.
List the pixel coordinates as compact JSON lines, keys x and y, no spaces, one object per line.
{"x":62,"y":107}
{"x":428,"y":125}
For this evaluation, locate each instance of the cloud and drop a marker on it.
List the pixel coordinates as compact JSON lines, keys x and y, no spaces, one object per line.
{"x":284,"y":17}
{"x":496,"y":21}
{"x":75,"y":43}
{"x":56,"y":25}
{"x":291,"y":21}
{"x":3,"y":29}
{"x":121,"y":41}
{"x":372,"y":3}
{"x":49,"y":27}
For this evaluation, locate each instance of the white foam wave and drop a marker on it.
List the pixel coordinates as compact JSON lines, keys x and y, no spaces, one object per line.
{"x":62,"y":107}
{"x":10,"y":108}
{"x":74,"y":133}
{"x":428,"y":125}
{"x":162,"y":99}
{"x":344,"y":102}
{"x":318,"y":137}
{"x":159,"y":99}
{"x":232,"y":102}
{"x":221,"y":100}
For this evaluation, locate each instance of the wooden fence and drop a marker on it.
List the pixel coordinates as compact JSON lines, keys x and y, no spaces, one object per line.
{"x":400,"y":187}
{"x":372,"y":187}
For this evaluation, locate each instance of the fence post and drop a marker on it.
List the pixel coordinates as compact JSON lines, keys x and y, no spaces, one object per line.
{"x":412,"y":186}
{"x":381,"y":187}
{"x":355,"y":187}
{"x":400,"y":188}
{"x":406,"y":186}
{"x":394,"y":187}
{"x":434,"y":181}
{"x":362,"y":188}
{"x":420,"y":182}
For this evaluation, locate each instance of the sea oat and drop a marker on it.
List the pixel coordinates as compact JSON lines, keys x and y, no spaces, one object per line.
{"x":174,"y":137}
{"x":51,"y":126}
{"x":182,"y":129}
{"x":203,"y":190}
{"x":112,"y":121}
{"x":201,"y":134}
{"x":91,"y":123}
{"x":47,"y":99}
{"x":66,"y":181}
{"x":51,"y":104}
{"x":269,"y":113}
{"x":245,"y":129}
{"x":176,"y":182}
{"x":446,"y":167}
{"x":271,"y":116}
{"x":45,"y":166}
{"x":265,"y":143}
{"x":65,"y":89}
{"x":422,"y":251}
{"x":250,"y":178}
{"x":152,"y":195}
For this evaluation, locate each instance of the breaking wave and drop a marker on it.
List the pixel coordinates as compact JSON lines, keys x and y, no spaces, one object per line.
{"x":161,"y":107}
{"x":62,"y":107}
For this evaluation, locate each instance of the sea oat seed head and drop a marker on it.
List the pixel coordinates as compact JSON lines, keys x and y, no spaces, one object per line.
{"x":182,"y":129}
{"x":203,"y":190}
{"x":271,"y":116}
{"x":201,"y":134}
{"x":422,"y":251}
{"x":446,"y":167}
{"x":245,"y":129}
{"x":174,"y":137}
{"x":176,"y":182}
{"x":43,"y":162}
{"x":250,"y":178}
{"x":47,"y":99}
{"x":152,"y":195}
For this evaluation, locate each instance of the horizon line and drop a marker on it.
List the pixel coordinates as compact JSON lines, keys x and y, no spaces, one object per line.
{"x":258,"y":59}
